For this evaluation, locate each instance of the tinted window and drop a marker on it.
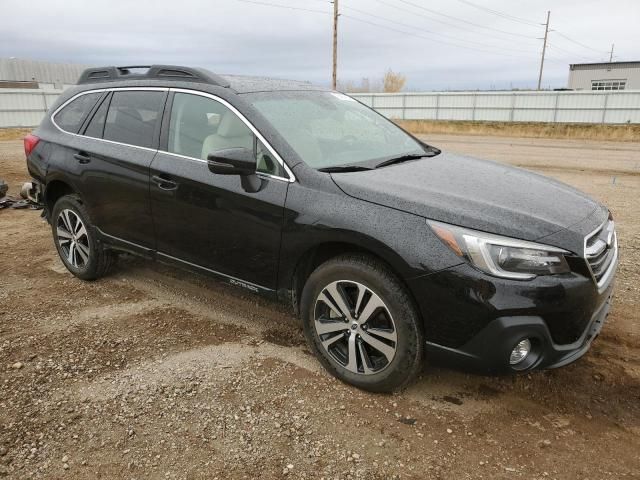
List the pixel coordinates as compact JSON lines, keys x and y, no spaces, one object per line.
{"x":96,"y":125}
{"x":200,"y":126}
{"x":133,"y":117}
{"x":70,"y":118}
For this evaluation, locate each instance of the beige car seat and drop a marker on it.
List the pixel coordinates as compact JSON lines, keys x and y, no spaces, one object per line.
{"x":232,"y":133}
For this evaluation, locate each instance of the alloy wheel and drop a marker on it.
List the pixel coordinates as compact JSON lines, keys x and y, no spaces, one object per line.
{"x":73,"y":238}
{"x":355,"y":327}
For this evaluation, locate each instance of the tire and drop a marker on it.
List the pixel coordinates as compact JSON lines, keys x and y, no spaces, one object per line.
{"x":80,"y":251}
{"x":383,"y":329}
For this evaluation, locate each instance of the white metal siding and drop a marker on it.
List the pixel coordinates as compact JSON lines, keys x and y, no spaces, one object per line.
{"x":580,"y":78}
{"x":24,"y":107}
{"x":17,"y":69}
{"x":560,"y":107}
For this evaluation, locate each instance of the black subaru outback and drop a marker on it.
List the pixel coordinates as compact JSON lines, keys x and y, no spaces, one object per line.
{"x":388,"y":249}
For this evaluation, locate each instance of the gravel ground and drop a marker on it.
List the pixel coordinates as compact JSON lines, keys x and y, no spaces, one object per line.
{"x":157,"y":373}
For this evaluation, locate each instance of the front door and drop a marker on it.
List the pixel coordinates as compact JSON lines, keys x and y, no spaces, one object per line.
{"x":210,"y":220}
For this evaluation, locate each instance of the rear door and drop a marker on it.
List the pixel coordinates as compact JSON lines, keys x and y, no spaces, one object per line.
{"x":209,"y":220}
{"x":119,"y":141}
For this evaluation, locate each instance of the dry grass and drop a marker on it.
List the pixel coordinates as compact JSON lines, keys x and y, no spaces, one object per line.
{"x":621,"y":133}
{"x":14,"y":133}
{"x":576,"y":131}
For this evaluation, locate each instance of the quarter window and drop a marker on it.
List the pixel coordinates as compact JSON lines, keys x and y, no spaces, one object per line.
{"x":96,"y":124}
{"x":266,"y":163}
{"x":70,"y":118}
{"x":133,"y":117}
{"x":200,"y":126}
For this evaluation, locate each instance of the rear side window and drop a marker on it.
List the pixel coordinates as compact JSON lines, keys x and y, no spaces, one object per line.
{"x":70,"y":118}
{"x":133,"y":117}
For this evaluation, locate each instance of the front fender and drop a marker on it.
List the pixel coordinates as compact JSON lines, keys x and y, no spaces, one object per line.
{"x":401,"y":239}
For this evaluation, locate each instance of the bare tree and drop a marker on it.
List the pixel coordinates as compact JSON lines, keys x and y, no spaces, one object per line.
{"x":393,"y":82}
{"x":364,"y":86}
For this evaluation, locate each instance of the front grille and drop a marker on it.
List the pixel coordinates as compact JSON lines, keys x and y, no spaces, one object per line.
{"x":601,"y":251}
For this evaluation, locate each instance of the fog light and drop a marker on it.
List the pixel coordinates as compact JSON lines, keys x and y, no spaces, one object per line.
{"x":520,"y":351}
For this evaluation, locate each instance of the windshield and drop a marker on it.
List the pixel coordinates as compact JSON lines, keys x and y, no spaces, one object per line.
{"x":329,"y":129}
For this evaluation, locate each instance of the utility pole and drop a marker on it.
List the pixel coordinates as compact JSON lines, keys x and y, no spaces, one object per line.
{"x":544,"y":48}
{"x":334,"y":78}
{"x":611,"y":54}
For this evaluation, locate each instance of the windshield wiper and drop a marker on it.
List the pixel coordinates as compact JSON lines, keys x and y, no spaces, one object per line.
{"x":344,"y":168}
{"x":402,"y":158}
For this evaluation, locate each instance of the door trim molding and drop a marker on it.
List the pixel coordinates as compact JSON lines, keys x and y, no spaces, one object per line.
{"x":150,"y":253}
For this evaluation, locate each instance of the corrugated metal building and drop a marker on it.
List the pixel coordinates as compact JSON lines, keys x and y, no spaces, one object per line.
{"x":36,"y":74}
{"x":604,"y":76}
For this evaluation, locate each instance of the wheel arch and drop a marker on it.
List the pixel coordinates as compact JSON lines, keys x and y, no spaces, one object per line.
{"x":54,"y":190}
{"x":320,"y":253}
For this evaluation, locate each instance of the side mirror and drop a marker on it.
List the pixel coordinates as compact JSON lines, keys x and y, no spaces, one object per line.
{"x":232,"y":161}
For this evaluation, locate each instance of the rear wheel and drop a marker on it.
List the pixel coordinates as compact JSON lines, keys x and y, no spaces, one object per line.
{"x":76,"y":241}
{"x":362,"y":324}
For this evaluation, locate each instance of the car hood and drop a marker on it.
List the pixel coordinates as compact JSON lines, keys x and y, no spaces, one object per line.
{"x":477,"y":194}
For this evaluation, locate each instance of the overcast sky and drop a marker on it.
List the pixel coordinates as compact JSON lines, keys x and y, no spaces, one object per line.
{"x":437,"y":44}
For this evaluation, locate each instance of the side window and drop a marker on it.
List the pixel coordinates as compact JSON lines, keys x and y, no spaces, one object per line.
{"x":200,"y":126}
{"x":96,"y":124}
{"x":267,"y":163}
{"x":70,"y":118}
{"x":133,"y":117}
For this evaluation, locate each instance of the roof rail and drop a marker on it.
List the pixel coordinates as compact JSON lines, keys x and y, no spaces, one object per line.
{"x":156,"y":72}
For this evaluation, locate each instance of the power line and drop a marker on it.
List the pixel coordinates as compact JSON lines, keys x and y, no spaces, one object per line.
{"x":463,"y":20}
{"x":423,"y":30}
{"x":500,"y":14}
{"x":453,"y":25}
{"x":521,"y":20}
{"x":289,"y":7}
{"x":579,"y":43}
{"x":361,"y":20}
{"x":567,"y":52}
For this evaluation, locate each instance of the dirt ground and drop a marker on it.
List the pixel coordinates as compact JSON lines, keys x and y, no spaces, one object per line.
{"x":157,"y":373}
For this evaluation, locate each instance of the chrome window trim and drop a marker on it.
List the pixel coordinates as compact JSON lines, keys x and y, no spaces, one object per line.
{"x":290,"y":176}
{"x":100,"y":90}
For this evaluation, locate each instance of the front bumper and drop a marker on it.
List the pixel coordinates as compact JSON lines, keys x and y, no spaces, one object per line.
{"x":473,"y":321}
{"x":489,"y":351}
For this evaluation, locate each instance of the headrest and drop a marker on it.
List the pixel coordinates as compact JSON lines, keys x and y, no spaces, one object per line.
{"x":232,"y":126}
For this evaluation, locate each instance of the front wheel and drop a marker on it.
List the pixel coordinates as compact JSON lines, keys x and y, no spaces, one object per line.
{"x":361,"y":323}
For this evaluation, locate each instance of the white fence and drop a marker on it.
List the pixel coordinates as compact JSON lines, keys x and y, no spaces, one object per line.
{"x":556,"y":107}
{"x":25,"y":108}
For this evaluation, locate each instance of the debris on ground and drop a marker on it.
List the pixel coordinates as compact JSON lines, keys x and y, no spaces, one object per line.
{"x":24,"y":201}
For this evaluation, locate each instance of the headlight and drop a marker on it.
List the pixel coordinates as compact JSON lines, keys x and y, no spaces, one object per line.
{"x":502,"y":256}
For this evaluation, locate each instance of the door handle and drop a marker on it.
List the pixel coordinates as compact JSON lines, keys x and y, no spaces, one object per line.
{"x":164,"y":183}
{"x":82,"y":157}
